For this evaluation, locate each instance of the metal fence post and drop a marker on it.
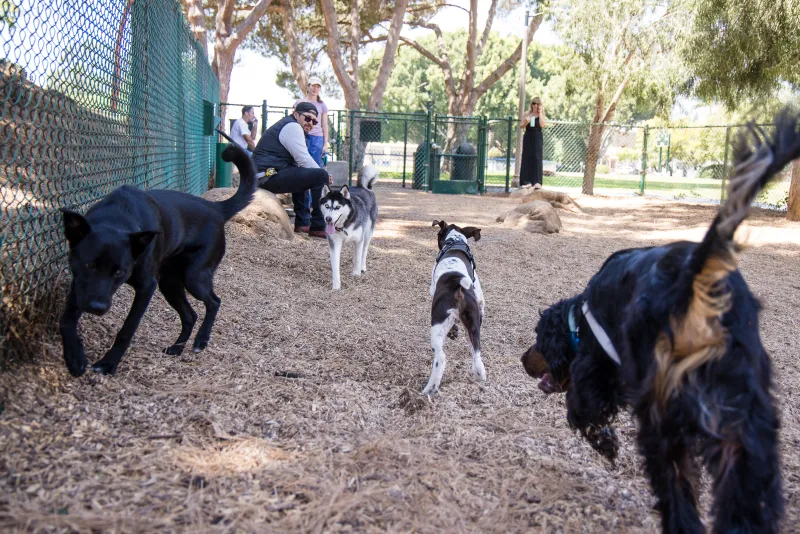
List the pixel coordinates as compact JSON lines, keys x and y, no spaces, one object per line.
{"x":339,"y":134}
{"x":644,"y":160}
{"x":405,"y":149}
{"x":725,"y":163}
{"x":483,"y":141}
{"x":350,"y":155}
{"x":263,"y":116}
{"x":669,"y":144}
{"x":428,"y":152}
{"x":508,"y":153}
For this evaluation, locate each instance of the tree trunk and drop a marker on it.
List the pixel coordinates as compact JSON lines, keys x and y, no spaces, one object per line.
{"x":793,"y":209}
{"x":222,"y":67}
{"x":592,"y":154}
{"x":197,"y":22}
{"x":295,"y":60}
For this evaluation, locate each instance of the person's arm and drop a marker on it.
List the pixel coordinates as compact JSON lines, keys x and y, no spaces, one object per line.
{"x":324,"y":132}
{"x":526,"y":120}
{"x":250,"y":138}
{"x":293,"y":139}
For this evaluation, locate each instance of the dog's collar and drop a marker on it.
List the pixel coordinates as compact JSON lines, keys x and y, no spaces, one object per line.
{"x":597,"y":330}
{"x":458,"y":245}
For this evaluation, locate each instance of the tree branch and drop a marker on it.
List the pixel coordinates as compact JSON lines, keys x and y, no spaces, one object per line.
{"x":488,"y":28}
{"x":609,"y":114}
{"x":389,"y":52}
{"x":468,"y":80}
{"x":504,"y":67}
{"x":423,"y":51}
{"x":290,"y":31}
{"x":335,"y":53}
{"x":247,"y":25}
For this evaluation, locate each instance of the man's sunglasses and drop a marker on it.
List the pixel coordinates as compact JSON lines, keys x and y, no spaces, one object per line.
{"x":312,"y":120}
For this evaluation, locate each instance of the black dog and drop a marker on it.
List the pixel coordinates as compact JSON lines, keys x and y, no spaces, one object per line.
{"x":672,"y":331}
{"x":161,"y":238}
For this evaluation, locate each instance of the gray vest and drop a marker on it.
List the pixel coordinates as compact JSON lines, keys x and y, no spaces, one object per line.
{"x":269,"y":152}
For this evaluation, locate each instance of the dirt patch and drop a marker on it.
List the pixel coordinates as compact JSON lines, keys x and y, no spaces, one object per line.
{"x":216,"y":442}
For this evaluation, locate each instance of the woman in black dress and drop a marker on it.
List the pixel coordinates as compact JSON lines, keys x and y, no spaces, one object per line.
{"x":533,"y":121}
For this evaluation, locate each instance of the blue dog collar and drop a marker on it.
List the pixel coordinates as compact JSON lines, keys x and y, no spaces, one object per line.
{"x":574,"y":329}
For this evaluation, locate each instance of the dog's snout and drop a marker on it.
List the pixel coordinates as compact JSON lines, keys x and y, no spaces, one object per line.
{"x":97,"y":307}
{"x":328,"y":219}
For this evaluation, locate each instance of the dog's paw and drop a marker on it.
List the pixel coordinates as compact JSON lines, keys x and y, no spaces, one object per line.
{"x":453,"y":333}
{"x":175,"y":350}
{"x":478,"y":371}
{"x":106,"y":366}
{"x":336,"y":286}
{"x":604,"y":440}
{"x":357,"y":272}
{"x":75,"y":358}
{"x":199,"y":345}
{"x":430,"y":389}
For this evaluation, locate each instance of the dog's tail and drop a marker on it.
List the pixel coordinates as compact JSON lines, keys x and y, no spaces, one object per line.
{"x":367,"y":176}
{"x":696,"y":332}
{"x":247,"y":179}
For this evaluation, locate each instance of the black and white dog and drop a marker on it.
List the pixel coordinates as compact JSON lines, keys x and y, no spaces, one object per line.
{"x":457,"y":294}
{"x":350,"y":215}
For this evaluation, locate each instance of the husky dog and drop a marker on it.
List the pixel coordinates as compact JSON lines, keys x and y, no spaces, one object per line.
{"x":457,"y":295}
{"x":350,"y":215}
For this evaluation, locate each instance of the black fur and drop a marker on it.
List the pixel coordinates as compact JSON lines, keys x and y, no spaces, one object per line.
{"x":146,"y":239}
{"x":721,"y":408}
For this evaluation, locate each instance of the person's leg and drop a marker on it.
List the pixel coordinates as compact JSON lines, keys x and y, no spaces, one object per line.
{"x":297,"y":180}
{"x":314,"y":143}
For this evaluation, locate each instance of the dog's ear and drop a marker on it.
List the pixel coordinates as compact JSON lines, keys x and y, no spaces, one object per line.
{"x":325,"y":191}
{"x":471,"y":231}
{"x":346,"y":192}
{"x":440,"y":224}
{"x":140,"y":240}
{"x":75,"y":226}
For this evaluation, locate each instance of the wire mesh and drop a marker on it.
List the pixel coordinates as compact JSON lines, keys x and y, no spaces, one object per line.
{"x":93,"y":95}
{"x":393,"y":142}
{"x":456,"y":143}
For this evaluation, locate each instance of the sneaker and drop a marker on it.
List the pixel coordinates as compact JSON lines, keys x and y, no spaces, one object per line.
{"x":301,"y":229}
{"x":318,"y":233}
{"x":537,"y":186}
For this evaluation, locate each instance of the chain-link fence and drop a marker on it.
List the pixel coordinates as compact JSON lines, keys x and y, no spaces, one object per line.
{"x":267,"y":115}
{"x":94,"y":94}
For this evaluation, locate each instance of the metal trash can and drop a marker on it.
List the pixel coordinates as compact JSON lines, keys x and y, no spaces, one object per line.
{"x":464,"y":163}
{"x":224,"y":168}
{"x":419,"y":165}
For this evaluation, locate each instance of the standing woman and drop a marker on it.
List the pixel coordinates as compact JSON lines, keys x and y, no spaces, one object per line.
{"x":317,"y":138}
{"x":531,"y":171}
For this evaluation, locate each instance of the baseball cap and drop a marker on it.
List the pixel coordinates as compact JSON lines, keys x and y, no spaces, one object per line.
{"x":314,"y":80}
{"x":306,"y":107}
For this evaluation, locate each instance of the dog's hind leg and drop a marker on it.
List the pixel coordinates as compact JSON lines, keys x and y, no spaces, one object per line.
{"x":171,"y":286}
{"x":673,"y":474}
{"x":201,"y":286}
{"x":438,"y":333}
{"x":471,"y":319}
{"x":744,"y":461}
{"x":365,"y":249}
{"x":108,"y":364}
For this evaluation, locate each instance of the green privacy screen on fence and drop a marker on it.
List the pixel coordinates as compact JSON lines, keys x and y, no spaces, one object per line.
{"x":94,"y":94}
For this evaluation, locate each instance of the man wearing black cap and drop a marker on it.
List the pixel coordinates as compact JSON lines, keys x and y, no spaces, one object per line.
{"x":282,"y":155}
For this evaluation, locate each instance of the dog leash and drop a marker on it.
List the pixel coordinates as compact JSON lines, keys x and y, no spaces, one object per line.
{"x":597,"y":330}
